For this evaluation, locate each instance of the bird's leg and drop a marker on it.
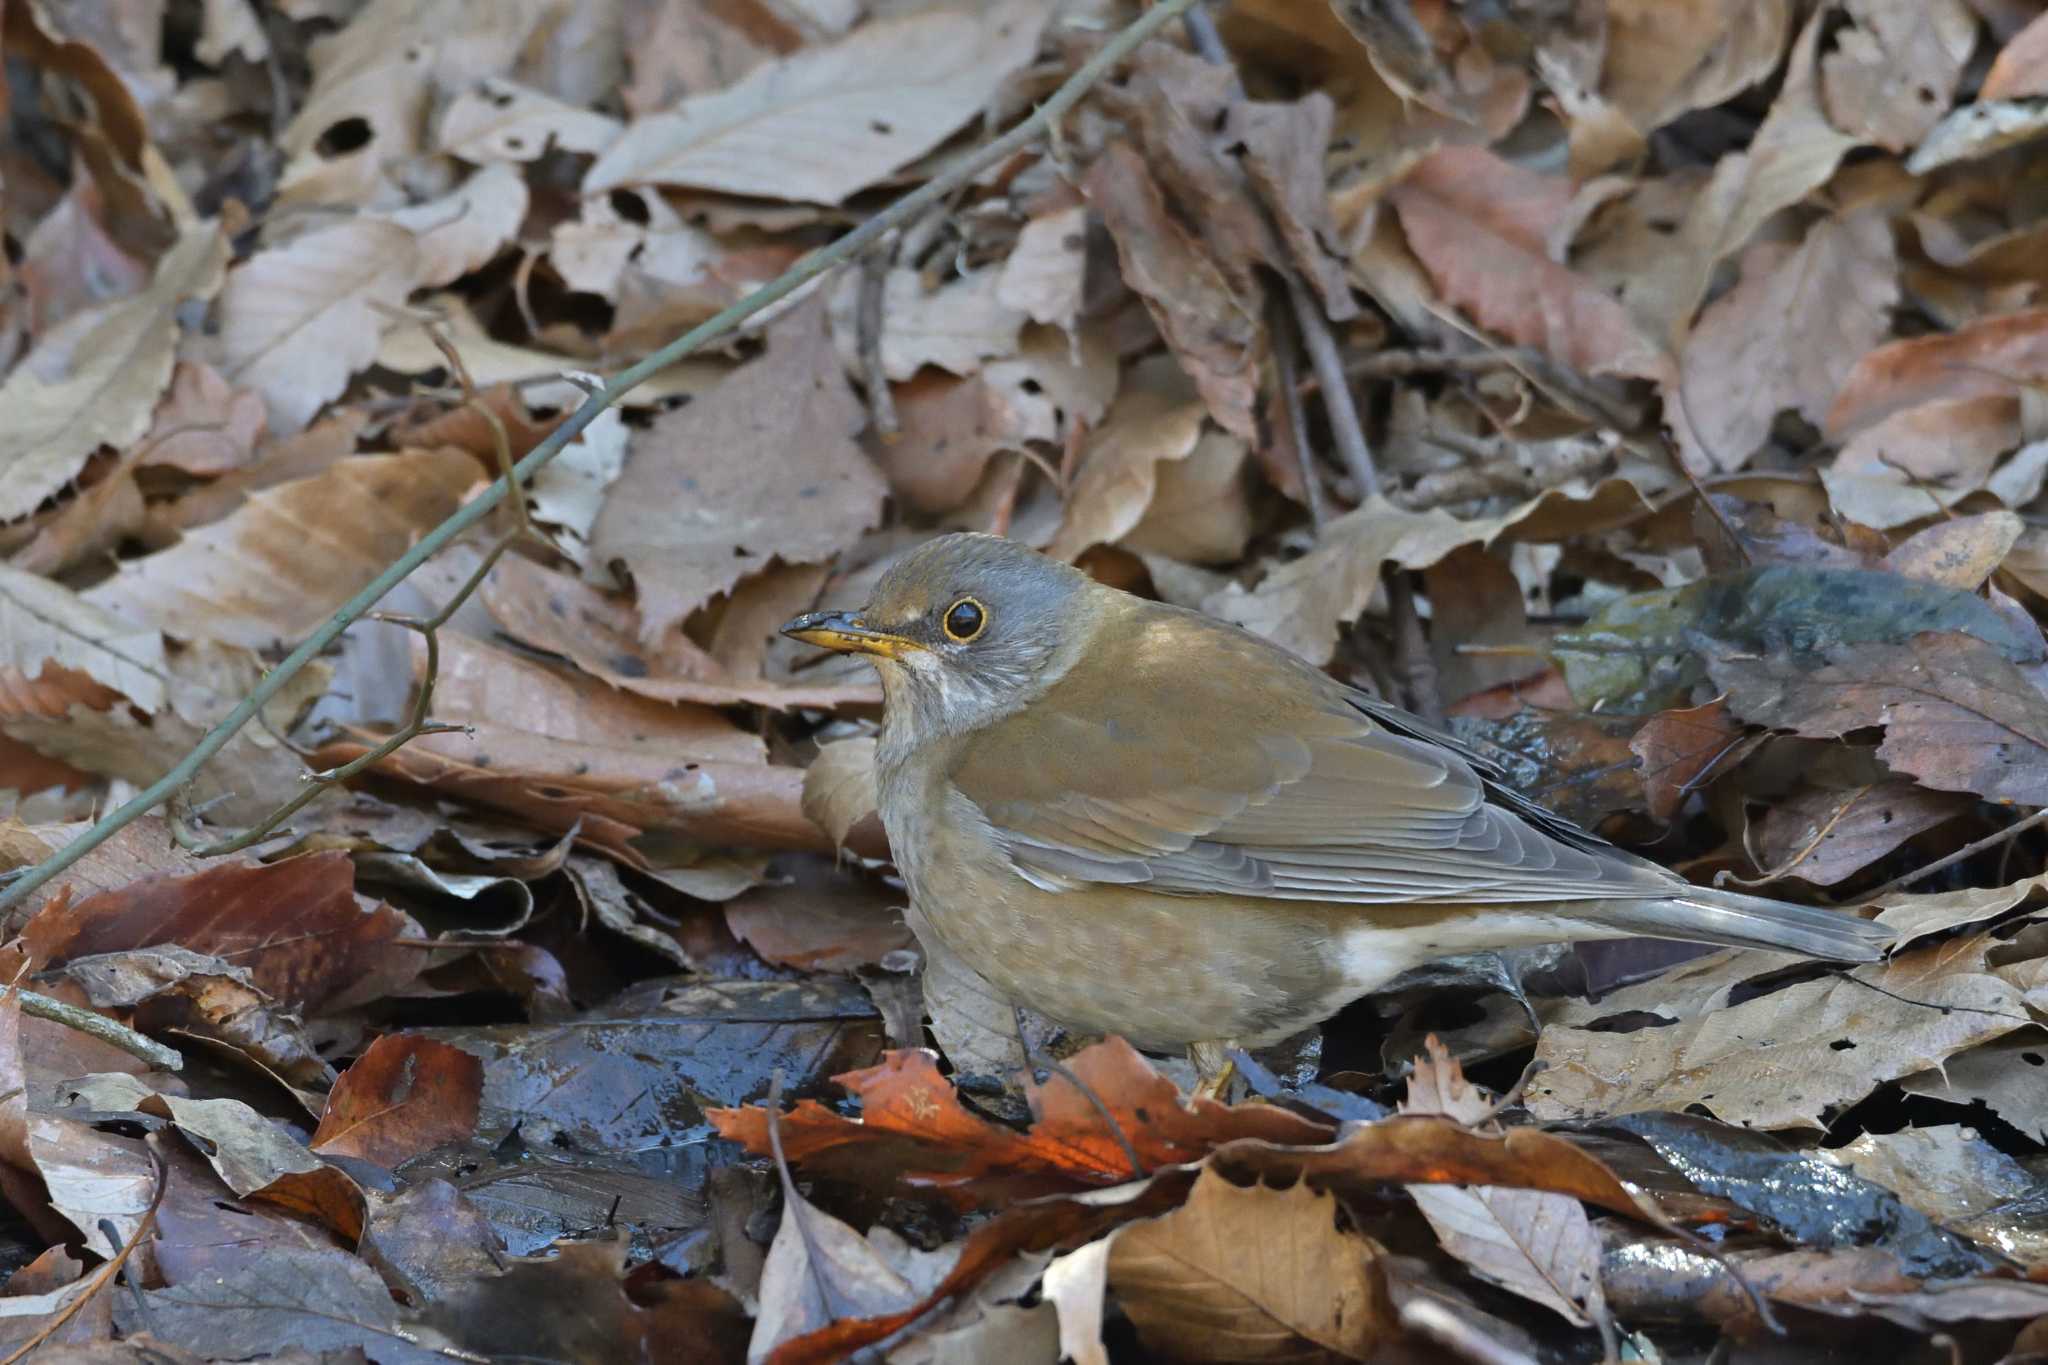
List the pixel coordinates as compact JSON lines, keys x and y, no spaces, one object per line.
{"x":1214,"y":1071}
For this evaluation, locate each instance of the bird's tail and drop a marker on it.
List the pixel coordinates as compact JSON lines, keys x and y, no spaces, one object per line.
{"x":1701,"y":914}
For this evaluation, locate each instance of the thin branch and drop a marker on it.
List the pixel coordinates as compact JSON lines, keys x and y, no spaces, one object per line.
{"x":1400,"y":364}
{"x":874,"y":280}
{"x":796,"y":277}
{"x":96,"y":1025}
{"x":2010,"y":832}
{"x":1297,"y":418}
{"x":1345,"y":428}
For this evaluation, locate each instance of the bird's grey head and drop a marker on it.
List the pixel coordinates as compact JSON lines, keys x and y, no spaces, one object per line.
{"x":965,"y":630}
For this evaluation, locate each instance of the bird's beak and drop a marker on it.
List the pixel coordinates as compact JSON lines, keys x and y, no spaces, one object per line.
{"x":847,"y":633}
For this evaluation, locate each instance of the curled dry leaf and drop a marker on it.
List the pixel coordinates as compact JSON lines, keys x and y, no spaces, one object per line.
{"x":465,"y":228}
{"x":97,"y":380}
{"x":1157,"y":418}
{"x":1212,"y":327}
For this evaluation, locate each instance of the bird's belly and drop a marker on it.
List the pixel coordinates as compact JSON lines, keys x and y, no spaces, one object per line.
{"x":1163,"y":971}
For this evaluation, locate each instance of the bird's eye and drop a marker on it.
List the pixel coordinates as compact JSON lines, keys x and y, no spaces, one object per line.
{"x":965,"y":621}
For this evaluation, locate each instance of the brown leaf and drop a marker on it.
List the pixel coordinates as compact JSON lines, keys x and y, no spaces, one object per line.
{"x":1680,"y":749}
{"x":1284,"y":150}
{"x":294,"y":925}
{"x":296,"y":321}
{"x":1213,"y":330}
{"x":1665,"y":60}
{"x":46,"y":628}
{"x":275,"y":568}
{"x":954,"y":327}
{"x":2021,"y":67}
{"x":1246,"y":1274}
{"x":1537,"y":1243}
{"x":1971,"y":362}
{"x":1043,"y":274}
{"x":403,"y":1096}
{"x":828,"y":121}
{"x":1793,"y":153}
{"x":1466,"y":214}
{"x":1824,"y":837}
{"x":913,"y":1126}
{"x":1785,"y":336}
{"x":1956,"y":713}
{"x":820,"y":925}
{"x":96,"y":382}
{"x":765,"y":465}
{"x":1958,"y":553}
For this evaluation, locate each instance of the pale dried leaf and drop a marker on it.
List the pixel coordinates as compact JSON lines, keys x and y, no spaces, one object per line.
{"x":1894,"y":68}
{"x":297,"y":321}
{"x":1782,"y":1060}
{"x":56,"y":410}
{"x":819,"y":1270}
{"x":955,"y":326}
{"x":1043,"y":274}
{"x":2021,"y":67}
{"x":502,"y":121}
{"x":230,"y":27}
{"x":204,"y":425}
{"x":1958,"y":553}
{"x":45,"y":625}
{"x":834,"y":119}
{"x":1075,"y":1285}
{"x":1536,"y":1243}
{"x":462,"y":230}
{"x":1979,"y":130}
{"x":272,"y":570}
{"x":1666,"y":58}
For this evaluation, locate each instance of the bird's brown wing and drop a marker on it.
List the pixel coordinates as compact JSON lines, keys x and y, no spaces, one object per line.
{"x":1203,"y":760}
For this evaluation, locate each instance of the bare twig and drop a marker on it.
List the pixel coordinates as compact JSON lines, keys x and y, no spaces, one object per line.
{"x":1345,"y":428}
{"x":874,"y":279}
{"x":1414,"y":665}
{"x":418,"y":723}
{"x":1399,"y":364}
{"x":96,"y":1025}
{"x":1297,"y":418}
{"x":2010,"y":832}
{"x":820,"y":263}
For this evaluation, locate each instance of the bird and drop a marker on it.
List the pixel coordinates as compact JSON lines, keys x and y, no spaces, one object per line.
{"x":1136,"y":819}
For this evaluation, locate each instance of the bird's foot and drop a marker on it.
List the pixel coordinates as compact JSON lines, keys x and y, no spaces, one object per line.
{"x":1214,"y":1071}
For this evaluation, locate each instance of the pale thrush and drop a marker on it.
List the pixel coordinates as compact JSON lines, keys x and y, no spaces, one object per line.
{"x":1136,"y":819}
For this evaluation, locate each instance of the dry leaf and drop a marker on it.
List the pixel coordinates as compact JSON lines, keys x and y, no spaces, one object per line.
{"x":1785,"y":336}
{"x":1157,"y":418}
{"x":1823,"y":837}
{"x":97,"y":381}
{"x":1239,"y":1274}
{"x":1784,"y":1059}
{"x":1042,"y":276}
{"x":403,"y":1096}
{"x":502,"y":121}
{"x":462,"y":230}
{"x":764,"y":466}
{"x":955,"y":326}
{"x":1895,"y":67}
{"x":828,"y":121}
{"x":1465,"y":211}
{"x":297,"y":321}
{"x":1972,"y":362}
{"x":204,"y":425}
{"x":2021,"y":67}
{"x":1212,"y":329}
{"x":839,"y":787}
{"x":274,"y":569}
{"x":44,"y":626}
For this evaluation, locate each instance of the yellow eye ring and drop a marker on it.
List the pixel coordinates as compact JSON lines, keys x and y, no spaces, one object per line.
{"x":964,"y":621}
